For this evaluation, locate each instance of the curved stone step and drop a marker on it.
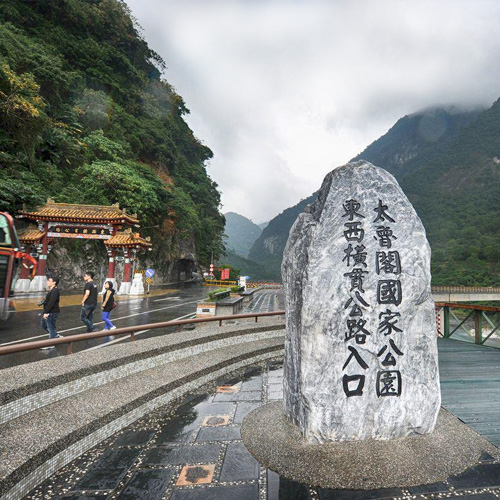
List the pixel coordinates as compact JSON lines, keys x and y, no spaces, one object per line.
{"x":47,"y":437}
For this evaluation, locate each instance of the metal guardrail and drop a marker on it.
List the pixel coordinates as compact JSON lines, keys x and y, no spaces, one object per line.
{"x":477,"y":312}
{"x":28,"y":346}
{"x":464,"y":289}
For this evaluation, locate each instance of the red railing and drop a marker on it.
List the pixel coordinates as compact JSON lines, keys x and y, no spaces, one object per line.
{"x":28,"y":346}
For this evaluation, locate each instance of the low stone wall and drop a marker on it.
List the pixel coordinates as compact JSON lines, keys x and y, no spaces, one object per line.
{"x":229,"y":306}
{"x":248,"y":296}
{"x":54,"y":410}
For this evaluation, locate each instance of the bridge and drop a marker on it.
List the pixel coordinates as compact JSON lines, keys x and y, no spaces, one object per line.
{"x":465,"y":294}
{"x":440,"y":293}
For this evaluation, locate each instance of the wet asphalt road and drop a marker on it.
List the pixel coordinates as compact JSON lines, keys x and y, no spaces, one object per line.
{"x":166,"y":304}
{"x":163,"y":304}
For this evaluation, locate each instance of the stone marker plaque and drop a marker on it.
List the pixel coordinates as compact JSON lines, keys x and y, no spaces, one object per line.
{"x":360,"y":349}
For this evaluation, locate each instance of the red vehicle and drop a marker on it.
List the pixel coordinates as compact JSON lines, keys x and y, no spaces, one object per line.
{"x":11,"y":259}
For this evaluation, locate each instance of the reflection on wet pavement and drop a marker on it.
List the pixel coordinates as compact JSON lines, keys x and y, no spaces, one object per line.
{"x":163,"y":304}
{"x":193,"y":450}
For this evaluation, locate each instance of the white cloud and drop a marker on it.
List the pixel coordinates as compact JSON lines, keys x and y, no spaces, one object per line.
{"x":284,"y":91}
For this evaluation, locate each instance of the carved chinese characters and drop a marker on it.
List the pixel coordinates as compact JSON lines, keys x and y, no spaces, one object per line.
{"x":360,"y":352}
{"x":387,"y":266}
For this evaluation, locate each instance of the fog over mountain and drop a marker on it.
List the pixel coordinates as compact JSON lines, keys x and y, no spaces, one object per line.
{"x":447,"y":164}
{"x":282,"y":92}
{"x":241,"y":233}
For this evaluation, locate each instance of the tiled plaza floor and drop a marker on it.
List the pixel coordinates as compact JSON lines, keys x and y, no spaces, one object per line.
{"x":193,"y":451}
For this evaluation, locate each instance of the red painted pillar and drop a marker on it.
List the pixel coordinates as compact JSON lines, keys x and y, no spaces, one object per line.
{"x":42,"y":259}
{"x":25,"y":270}
{"x":112,"y":263}
{"x":127,"y":267}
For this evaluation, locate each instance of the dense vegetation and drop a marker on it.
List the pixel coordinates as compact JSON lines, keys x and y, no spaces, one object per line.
{"x":454,"y":185}
{"x":457,"y":195}
{"x":416,"y":139}
{"x":245,"y":267}
{"x":85,"y":117}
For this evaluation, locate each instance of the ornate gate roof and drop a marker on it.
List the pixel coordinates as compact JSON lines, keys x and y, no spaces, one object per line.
{"x":67,"y":212}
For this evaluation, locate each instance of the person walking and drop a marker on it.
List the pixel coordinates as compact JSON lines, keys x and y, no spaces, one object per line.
{"x":51,"y":310}
{"x":108,"y":301}
{"x":89,"y":301}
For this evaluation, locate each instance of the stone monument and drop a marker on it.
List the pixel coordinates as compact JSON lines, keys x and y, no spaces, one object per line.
{"x":360,"y":348}
{"x":137,"y":287}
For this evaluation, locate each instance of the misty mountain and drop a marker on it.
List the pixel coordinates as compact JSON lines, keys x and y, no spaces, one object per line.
{"x":416,"y":138}
{"x":241,"y":233}
{"x":457,"y":195}
{"x":246,"y":267}
{"x":448,"y":164}
{"x":268,"y":248}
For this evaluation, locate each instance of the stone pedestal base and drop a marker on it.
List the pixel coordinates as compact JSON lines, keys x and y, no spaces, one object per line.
{"x":113,"y":280}
{"x":137,"y":287}
{"x":205,"y":310}
{"x":23,"y":285}
{"x":363,"y":465}
{"x":124,"y":288}
{"x":38,"y":284}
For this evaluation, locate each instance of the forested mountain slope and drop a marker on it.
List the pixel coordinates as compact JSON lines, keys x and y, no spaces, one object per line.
{"x":457,"y":195}
{"x":415,"y":139}
{"x":85,"y":117}
{"x":241,"y":233}
{"x":267,"y":250}
{"x":448,"y":164}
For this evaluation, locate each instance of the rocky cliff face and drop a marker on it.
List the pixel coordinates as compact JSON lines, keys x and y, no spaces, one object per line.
{"x":70,"y":260}
{"x":268,"y":248}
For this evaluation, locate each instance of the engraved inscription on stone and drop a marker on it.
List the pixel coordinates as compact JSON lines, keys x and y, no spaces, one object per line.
{"x":360,"y":349}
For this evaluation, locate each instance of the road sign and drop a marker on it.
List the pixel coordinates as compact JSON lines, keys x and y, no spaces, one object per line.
{"x":149,"y":273}
{"x":148,"y":281}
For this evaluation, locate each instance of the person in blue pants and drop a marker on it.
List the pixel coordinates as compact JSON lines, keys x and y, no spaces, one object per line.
{"x":108,"y":301}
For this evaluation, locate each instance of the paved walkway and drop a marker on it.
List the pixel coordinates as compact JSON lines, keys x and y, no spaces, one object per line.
{"x":194,"y":451}
{"x":470,"y":385}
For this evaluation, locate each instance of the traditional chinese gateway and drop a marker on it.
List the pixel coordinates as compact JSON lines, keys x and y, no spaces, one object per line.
{"x":63,"y":220}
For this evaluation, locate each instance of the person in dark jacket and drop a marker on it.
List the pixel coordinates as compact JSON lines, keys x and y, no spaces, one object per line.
{"x":108,"y":301}
{"x":51,"y":310}
{"x":89,"y":301}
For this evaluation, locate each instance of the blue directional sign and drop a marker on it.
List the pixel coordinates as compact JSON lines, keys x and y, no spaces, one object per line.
{"x":149,"y":273}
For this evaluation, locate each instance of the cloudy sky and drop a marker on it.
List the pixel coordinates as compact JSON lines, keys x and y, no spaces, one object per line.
{"x":283,"y":91}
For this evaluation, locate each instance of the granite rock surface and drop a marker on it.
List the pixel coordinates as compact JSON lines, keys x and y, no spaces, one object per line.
{"x":360,"y":349}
